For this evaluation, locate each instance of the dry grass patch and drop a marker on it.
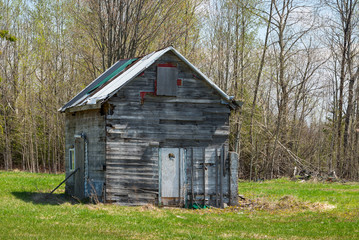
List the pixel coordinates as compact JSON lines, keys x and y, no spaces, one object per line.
{"x":287,"y":202}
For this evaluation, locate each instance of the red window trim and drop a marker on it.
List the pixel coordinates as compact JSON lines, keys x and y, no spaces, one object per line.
{"x":166,"y":65}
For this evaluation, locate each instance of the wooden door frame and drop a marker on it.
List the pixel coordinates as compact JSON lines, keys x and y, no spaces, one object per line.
{"x":79,"y":183}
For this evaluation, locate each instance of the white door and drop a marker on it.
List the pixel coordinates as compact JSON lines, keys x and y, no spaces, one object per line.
{"x":170,"y":172}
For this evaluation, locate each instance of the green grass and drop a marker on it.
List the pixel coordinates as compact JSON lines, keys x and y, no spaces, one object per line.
{"x":27,"y":213}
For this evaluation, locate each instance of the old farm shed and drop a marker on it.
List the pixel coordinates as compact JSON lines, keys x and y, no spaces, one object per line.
{"x":152,"y":129}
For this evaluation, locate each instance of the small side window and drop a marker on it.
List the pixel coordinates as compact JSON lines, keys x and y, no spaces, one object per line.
{"x":72,"y":158}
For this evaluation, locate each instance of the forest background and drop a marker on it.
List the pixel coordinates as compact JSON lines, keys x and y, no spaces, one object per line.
{"x":293,"y":62}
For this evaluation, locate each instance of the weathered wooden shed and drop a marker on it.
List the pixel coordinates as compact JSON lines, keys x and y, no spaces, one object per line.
{"x":152,"y":129}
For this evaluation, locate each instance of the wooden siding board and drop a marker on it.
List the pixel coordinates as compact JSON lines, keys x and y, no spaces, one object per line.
{"x":194,"y":118}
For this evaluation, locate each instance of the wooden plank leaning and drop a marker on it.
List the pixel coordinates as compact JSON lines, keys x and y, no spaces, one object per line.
{"x":65,"y":180}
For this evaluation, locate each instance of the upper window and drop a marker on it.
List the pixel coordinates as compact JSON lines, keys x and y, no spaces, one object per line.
{"x":167,"y":75}
{"x":72,"y":158}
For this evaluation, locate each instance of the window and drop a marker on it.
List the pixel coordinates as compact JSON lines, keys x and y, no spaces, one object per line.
{"x":72,"y":158}
{"x":167,"y":79}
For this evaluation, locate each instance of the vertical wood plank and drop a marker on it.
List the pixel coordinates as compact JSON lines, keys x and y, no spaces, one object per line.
{"x":184,"y":187}
{"x":204,"y":175}
{"x":192,"y":176}
{"x":224,"y":160}
{"x":233,"y":200}
{"x":221,"y":179}
{"x":159,"y":177}
{"x":79,"y":163}
{"x":217,"y":163}
{"x":179,"y":173}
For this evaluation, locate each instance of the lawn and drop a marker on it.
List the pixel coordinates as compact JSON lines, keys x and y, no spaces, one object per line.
{"x":278,"y":209}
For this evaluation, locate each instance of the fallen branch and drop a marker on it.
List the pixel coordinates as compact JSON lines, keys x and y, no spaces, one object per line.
{"x":297,"y":159}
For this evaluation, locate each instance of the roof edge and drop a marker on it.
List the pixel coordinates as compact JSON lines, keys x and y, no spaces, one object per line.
{"x":82,"y":108}
{"x":210,"y":82}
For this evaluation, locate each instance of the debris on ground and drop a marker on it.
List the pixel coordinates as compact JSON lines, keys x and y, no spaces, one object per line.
{"x":306,"y":175}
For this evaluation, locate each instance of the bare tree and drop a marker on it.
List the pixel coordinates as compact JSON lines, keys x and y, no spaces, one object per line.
{"x":344,"y":49}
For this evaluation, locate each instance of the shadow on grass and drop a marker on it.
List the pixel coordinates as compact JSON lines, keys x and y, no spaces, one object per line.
{"x":45,"y":198}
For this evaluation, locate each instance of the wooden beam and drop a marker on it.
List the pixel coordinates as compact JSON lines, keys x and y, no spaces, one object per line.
{"x":217,"y":163}
{"x":204,"y":175}
{"x":84,"y":107}
{"x":192,"y":175}
{"x":221,"y":179}
{"x":233,"y":185}
{"x":179,"y":174}
{"x":159,"y":176}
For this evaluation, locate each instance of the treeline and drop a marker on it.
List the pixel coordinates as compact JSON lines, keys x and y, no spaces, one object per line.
{"x":60,"y":47}
{"x":299,"y":82}
{"x":294,"y":64}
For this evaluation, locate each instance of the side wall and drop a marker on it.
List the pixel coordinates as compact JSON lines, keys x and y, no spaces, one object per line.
{"x":138,"y":123}
{"x":92,"y":124}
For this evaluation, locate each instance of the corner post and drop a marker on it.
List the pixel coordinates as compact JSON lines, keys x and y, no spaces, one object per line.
{"x":233,"y":182}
